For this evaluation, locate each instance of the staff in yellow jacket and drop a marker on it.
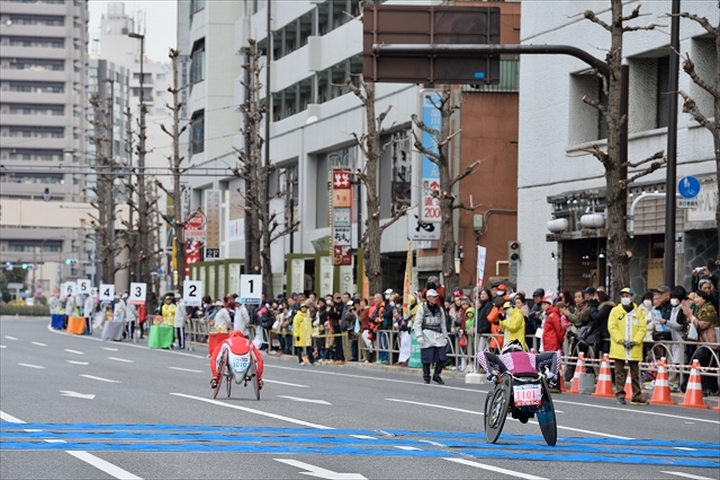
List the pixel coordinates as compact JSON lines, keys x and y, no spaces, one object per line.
{"x":626,"y":326}
{"x":513,"y":324}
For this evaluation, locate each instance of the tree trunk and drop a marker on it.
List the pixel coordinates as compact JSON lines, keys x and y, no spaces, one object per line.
{"x":178,"y":221}
{"x":447,"y":232}
{"x":716,"y":136}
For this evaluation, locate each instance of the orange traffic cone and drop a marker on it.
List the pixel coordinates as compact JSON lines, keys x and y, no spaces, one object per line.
{"x":717,"y":409}
{"x":628,"y":385}
{"x":604,"y":387}
{"x":579,"y":368}
{"x":693,"y":392}
{"x":661,"y":391}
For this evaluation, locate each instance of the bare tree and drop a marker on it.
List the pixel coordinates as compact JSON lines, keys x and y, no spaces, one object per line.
{"x":104,"y":222}
{"x":449,"y":201}
{"x":372,"y":150}
{"x":713,"y":88}
{"x":265,"y":227}
{"x":176,"y":222}
{"x":616,"y":167}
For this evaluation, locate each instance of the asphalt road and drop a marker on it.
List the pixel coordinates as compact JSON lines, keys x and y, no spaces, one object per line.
{"x":76,"y":407}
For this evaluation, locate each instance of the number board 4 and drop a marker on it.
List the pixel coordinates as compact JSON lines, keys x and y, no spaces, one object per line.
{"x":250,"y":288}
{"x":192,"y":293}
{"x":138,"y":292}
{"x":107,"y":291}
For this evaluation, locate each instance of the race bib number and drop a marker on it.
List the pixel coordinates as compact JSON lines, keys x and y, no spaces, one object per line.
{"x":527,"y":395}
{"x":240,"y":364}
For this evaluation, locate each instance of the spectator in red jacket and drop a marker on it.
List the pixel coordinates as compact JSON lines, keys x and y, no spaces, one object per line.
{"x":433,"y":283}
{"x":553,"y":331}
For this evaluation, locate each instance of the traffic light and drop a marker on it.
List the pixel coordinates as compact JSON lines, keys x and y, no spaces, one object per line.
{"x":24,"y":266}
{"x":514,"y":251}
{"x":71,"y":261}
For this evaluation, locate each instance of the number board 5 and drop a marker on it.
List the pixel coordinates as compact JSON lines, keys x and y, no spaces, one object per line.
{"x":192,"y":293}
{"x":83,"y":286}
{"x":250,"y":288}
{"x":107,"y":291}
{"x":138,"y":292}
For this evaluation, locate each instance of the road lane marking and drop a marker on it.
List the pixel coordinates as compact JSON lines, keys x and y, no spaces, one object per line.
{"x":190,"y":370}
{"x":408,"y":448}
{"x":305,"y":400}
{"x":364,"y":437}
{"x":435,"y":444}
{"x":444,"y":407}
{"x":10,"y":338}
{"x":639,"y":412}
{"x":687,"y":475}
{"x":110,"y":349}
{"x":494,"y":469}
{"x":3,"y":346}
{"x":75,"y":362}
{"x":125,"y":360}
{"x":30,"y":365}
{"x":69,"y":393}
{"x":257,"y":412}
{"x":107,"y":467}
{"x":39,"y":344}
{"x":686,"y":449}
{"x":74,"y":351}
{"x":285,"y":383}
{"x":100,"y":378}
{"x":319,"y":472}
{"x":96,"y":462}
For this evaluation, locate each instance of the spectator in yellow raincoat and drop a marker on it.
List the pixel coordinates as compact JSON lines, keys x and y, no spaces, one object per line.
{"x":626,"y":326}
{"x":302,"y":333}
{"x":168,"y":311}
{"x":513,"y":325}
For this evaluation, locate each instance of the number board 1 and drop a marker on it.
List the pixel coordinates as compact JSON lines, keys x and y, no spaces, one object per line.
{"x":192,"y":293}
{"x":107,"y":291}
{"x":250,"y":288}
{"x":83,"y":286}
{"x":137,"y":293}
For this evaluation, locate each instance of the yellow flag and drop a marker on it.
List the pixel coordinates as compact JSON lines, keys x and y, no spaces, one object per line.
{"x":408,"y":280}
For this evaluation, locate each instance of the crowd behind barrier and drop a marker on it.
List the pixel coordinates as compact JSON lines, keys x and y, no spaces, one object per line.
{"x":679,"y":326}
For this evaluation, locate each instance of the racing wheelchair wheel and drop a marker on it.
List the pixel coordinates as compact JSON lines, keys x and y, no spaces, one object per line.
{"x":496,"y":408}
{"x":228,"y":379}
{"x":255,"y":380}
{"x":221,"y":375}
{"x":546,"y":417}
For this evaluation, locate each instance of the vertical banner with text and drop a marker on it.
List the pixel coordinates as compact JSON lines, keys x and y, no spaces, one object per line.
{"x":429,"y":171}
{"x":212,"y":224}
{"x":341,"y":217}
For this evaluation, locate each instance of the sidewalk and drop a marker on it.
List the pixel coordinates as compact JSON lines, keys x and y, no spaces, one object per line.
{"x":678,"y":398}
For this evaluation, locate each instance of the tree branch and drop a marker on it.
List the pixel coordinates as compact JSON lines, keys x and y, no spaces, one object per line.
{"x":702,"y":21}
{"x":590,"y":15}
{"x":689,"y":106}
{"x":397,"y":216}
{"x":689,"y":68}
{"x":468,"y":171}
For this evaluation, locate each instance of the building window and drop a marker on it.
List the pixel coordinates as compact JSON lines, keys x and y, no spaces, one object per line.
{"x":196,"y":6}
{"x":147,"y":78}
{"x":586,"y":123}
{"x":197,"y":67}
{"x":663,"y":96}
{"x":197,"y":132}
{"x":36,"y":65}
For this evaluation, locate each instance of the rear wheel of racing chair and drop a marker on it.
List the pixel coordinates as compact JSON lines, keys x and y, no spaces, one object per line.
{"x":255,"y":380}
{"x":228,"y":377}
{"x":496,"y":408}
{"x":546,"y":417}
{"x":221,"y":375}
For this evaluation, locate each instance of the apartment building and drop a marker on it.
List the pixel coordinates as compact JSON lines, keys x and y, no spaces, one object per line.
{"x":43,"y":147}
{"x":561,"y":189}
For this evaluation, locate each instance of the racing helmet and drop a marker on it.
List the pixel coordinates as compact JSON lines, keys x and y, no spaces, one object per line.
{"x":512,"y":346}
{"x":236,"y":333}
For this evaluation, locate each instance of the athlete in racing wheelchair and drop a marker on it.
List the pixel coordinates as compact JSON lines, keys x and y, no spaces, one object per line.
{"x":522,"y":383}
{"x":239,"y":345}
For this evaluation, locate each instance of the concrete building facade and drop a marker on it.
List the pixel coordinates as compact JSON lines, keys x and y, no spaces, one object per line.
{"x":561,"y":224}
{"x":43,"y":71}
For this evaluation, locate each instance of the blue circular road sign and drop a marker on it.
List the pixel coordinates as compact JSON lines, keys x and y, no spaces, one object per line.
{"x":689,"y":187}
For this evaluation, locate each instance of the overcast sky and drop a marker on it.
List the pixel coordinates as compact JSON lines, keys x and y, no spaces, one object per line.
{"x":160,"y":29}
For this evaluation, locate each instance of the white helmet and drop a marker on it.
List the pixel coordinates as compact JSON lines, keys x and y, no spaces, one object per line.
{"x":512,"y":346}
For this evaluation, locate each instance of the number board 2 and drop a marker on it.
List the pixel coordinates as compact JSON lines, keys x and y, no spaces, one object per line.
{"x":250,"y":288}
{"x":107,"y":291}
{"x":138,"y":292}
{"x":192,"y":293}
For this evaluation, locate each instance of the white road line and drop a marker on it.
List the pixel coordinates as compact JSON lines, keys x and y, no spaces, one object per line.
{"x":107,"y":467}
{"x":30,"y":365}
{"x":124,"y":360}
{"x":110,"y":349}
{"x":685,"y":449}
{"x":639,"y":412}
{"x":6,"y":417}
{"x":687,"y":475}
{"x":257,"y":412}
{"x":285,"y":383}
{"x":305,"y":400}
{"x":3,"y":346}
{"x":100,"y":378}
{"x":75,"y":362}
{"x":39,"y":344}
{"x":10,"y":338}
{"x":408,"y":448}
{"x":491,"y":468}
{"x":190,"y":370}
{"x":96,"y":462}
{"x":461,"y":410}
{"x":364,"y":437}
{"x":436,"y":444}
{"x":74,"y":351}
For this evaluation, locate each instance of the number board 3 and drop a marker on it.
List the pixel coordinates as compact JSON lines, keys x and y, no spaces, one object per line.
{"x":138,"y":292}
{"x":192,"y":293}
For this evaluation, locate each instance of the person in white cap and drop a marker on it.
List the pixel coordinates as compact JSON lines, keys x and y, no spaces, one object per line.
{"x":180,"y":317}
{"x":131,"y":315}
{"x":430,"y":329}
{"x":242,"y":318}
{"x":88,"y":311}
{"x":222,"y":317}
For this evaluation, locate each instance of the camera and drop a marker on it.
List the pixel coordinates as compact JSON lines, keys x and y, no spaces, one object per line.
{"x":698,"y":270}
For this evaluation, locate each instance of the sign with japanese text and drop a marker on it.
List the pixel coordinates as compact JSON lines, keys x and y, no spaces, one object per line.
{"x":429,"y":171}
{"x":341,"y":216}
{"x":194,"y":228}
{"x":327,"y":278}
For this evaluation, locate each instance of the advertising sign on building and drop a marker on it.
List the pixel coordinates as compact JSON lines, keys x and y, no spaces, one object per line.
{"x":429,"y":171}
{"x":341,"y":217}
{"x":194,"y":228}
{"x":212,"y":223}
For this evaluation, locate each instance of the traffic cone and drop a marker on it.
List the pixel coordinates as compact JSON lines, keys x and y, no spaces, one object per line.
{"x":628,"y":385}
{"x":604,"y":387}
{"x":579,"y":368}
{"x":661,"y":391}
{"x":693,"y":392}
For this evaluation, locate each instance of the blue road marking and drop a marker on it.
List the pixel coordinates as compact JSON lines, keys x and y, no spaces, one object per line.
{"x":300,"y":440}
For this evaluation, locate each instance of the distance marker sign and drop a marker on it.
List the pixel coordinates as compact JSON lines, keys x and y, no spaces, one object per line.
{"x":137,"y":293}
{"x":250,"y":288}
{"x":192,"y":293}
{"x":107,"y":292}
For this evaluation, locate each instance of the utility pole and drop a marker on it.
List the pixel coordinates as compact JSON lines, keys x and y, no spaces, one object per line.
{"x":131,"y":234}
